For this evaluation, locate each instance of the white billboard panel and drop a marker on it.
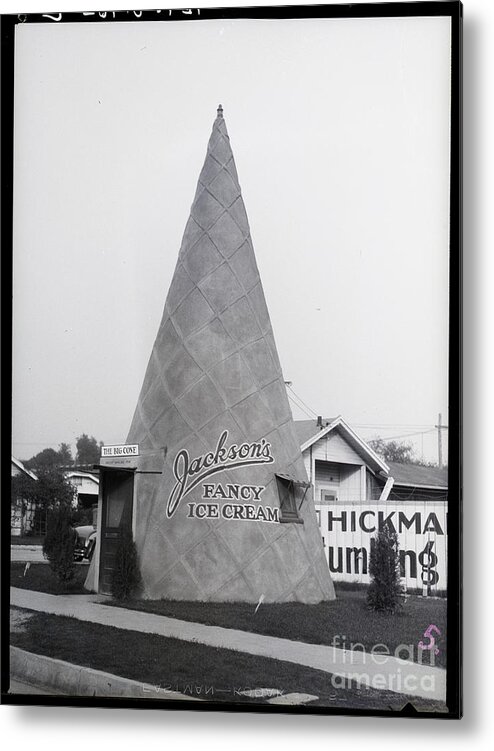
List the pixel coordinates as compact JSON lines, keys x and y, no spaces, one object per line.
{"x":348,"y":528}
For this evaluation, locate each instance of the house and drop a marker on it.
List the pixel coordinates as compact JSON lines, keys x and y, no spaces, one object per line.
{"x":22,"y":511}
{"x":24,"y":518}
{"x":414,"y":482}
{"x":356,"y":492}
{"x":343,"y":467}
{"x":86,"y":485}
{"x":340,"y":465}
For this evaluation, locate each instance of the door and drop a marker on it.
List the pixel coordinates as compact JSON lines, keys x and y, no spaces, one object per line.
{"x":116,"y":516}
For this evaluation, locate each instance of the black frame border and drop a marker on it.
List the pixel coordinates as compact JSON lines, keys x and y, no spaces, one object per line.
{"x":444,"y":8}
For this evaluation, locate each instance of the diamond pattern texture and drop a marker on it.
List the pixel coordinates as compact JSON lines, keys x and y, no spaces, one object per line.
{"x":214,"y":367}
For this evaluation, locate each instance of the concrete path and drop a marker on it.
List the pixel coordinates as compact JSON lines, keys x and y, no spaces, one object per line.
{"x":32,"y":553}
{"x":374,"y":670}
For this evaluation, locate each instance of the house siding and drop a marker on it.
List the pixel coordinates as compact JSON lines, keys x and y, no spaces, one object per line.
{"x":333,"y":448}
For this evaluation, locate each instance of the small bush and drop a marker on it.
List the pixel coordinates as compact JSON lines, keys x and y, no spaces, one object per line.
{"x":126,"y":576}
{"x":59,"y":544}
{"x":383,"y":594}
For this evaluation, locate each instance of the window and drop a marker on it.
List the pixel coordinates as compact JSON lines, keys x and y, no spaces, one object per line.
{"x":288,"y":504}
{"x":328,"y":496}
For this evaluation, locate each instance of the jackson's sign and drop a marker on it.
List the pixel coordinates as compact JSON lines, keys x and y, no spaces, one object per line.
{"x":191,"y":473}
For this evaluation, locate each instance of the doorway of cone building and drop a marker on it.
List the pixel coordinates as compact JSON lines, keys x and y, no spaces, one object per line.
{"x":116,"y":518}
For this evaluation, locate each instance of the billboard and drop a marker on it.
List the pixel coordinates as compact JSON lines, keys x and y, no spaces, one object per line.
{"x":348,"y":529}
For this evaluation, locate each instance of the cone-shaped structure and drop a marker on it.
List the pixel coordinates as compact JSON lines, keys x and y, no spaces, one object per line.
{"x":231,"y":517}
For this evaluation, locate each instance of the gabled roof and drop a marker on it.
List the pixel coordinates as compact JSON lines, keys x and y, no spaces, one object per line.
{"x":407,"y":475}
{"x":418,"y":476}
{"x":20,"y":466}
{"x":306,"y":429}
{"x":312,"y":433}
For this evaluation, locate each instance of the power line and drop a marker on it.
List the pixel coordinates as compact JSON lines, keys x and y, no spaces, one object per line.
{"x":302,"y":401}
{"x":299,"y":406}
{"x":428,"y":427}
{"x":393,"y":425}
{"x":406,"y":435}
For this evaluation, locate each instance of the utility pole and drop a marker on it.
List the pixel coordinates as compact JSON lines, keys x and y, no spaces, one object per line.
{"x":440,"y":427}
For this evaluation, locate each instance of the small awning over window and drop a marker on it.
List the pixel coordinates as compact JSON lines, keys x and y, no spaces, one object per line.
{"x":289,"y":478}
{"x":287,"y":486}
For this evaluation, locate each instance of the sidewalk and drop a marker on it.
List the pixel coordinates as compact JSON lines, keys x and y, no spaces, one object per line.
{"x":25,"y":553}
{"x":375,"y":670}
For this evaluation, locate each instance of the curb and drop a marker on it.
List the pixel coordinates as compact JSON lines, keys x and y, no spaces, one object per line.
{"x":76,"y":680}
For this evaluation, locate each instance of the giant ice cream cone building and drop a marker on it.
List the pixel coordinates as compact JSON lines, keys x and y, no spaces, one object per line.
{"x":231,"y":516}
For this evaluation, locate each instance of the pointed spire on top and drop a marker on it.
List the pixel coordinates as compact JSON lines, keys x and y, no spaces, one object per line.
{"x":219,"y":111}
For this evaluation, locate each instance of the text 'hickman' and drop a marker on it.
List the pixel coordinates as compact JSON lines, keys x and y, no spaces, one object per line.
{"x":233,"y":512}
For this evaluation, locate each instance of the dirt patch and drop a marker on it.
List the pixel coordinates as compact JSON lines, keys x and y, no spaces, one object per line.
{"x":40,"y":578}
{"x":19,"y":620}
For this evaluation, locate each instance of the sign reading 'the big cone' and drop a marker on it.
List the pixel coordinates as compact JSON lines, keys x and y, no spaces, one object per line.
{"x":231,"y":516}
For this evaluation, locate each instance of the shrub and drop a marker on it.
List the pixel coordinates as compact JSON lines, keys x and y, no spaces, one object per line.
{"x":126,"y":576}
{"x":59,"y":543}
{"x":384,"y":590}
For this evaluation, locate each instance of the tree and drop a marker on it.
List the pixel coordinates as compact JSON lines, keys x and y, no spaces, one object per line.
{"x":23,"y":492}
{"x":24,"y":487}
{"x":53,"y":489}
{"x":50,"y":490}
{"x":88,"y":450}
{"x":49,"y":458}
{"x":393,"y":451}
{"x":59,"y":543}
{"x":44,"y":459}
{"x":384,"y":590}
{"x":65,"y":455}
{"x":55,"y":495}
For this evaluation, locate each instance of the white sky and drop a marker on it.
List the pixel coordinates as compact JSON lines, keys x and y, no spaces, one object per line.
{"x":340,"y":132}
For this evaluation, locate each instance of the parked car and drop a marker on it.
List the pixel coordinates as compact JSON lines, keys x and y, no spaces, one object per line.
{"x":86,"y":541}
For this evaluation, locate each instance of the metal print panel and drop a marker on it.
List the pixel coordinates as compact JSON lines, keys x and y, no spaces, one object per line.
{"x":235,"y":470}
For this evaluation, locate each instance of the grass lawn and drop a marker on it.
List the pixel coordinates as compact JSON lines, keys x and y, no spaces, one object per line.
{"x":347,"y":617}
{"x":189,"y":667}
{"x":40,"y":577}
